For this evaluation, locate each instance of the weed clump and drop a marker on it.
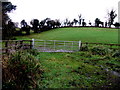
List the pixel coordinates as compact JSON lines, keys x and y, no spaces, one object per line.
{"x":33,"y":52}
{"x":99,"y":50}
{"x":84,"y":48}
{"x":21,"y":71}
{"x":116,"y":54}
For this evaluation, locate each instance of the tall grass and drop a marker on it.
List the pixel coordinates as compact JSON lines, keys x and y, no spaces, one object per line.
{"x":21,"y":70}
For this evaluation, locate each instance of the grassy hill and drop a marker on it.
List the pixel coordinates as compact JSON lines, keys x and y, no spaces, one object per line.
{"x":85,"y":34}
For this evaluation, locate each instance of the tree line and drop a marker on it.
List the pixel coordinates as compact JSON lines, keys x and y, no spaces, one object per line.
{"x":9,"y":27}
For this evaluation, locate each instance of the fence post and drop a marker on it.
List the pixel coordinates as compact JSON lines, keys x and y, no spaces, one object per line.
{"x":72,"y":46}
{"x":64,"y":45}
{"x":21,"y":44}
{"x":44,"y":45}
{"x":54,"y":44}
{"x":79,"y":44}
{"x":110,"y":46}
{"x":6,"y":46}
{"x":33,"y":43}
{"x":16,"y":45}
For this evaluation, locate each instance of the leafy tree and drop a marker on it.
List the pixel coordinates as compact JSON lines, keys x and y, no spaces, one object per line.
{"x":57,"y":23}
{"x":117,"y":25}
{"x":35,"y":25}
{"x":42,"y":23}
{"x":97,"y":22}
{"x":23,"y":23}
{"x":83,"y":23}
{"x":90,"y":23}
{"x":46,"y":24}
{"x":111,"y":16}
{"x":25,"y":27}
{"x":7,"y":25}
{"x":75,"y":21}
{"x":51,"y":24}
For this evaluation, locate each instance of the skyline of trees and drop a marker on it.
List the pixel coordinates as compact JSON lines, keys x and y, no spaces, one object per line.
{"x":81,"y":21}
{"x":9,"y":27}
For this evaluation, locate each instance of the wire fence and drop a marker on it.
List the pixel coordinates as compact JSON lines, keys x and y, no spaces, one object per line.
{"x":48,"y":45}
{"x":13,"y":45}
{"x":111,"y":46}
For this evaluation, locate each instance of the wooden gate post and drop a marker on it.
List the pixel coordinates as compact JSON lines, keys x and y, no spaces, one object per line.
{"x":21,"y":44}
{"x":6,"y":46}
{"x":16,"y":45}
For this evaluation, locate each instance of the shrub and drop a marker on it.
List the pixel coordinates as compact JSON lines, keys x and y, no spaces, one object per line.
{"x":22,"y":71}
{"x":84,"y":48}
{"x":116,"y":54}
{"x":99,"y":50}
{"x":33,"y":52}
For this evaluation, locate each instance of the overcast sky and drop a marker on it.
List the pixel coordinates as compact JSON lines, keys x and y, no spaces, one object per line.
{"x":62,"y":9}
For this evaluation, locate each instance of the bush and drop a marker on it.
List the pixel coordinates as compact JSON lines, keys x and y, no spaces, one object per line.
{"x":99,"y":50}
{"x":84,"y":48}
{"x":33,"y":52}
{"x":116,"y":54}
{"x":22,"y":71}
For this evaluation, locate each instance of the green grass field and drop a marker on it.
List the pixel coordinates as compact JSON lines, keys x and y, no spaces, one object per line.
{"x":77,"y":70}
{"x":85,"y":34}
{"x":62,"y":70}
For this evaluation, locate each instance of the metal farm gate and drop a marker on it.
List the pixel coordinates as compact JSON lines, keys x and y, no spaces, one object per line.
{"x":56,"y":46}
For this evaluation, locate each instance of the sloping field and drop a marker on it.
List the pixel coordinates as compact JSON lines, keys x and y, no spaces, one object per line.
{"x":85,"y":34}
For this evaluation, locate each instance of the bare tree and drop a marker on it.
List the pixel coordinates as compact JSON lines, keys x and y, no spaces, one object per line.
{"x":66,"y":22}
{"x":80,"y":19}
{"x":111,"y":16}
